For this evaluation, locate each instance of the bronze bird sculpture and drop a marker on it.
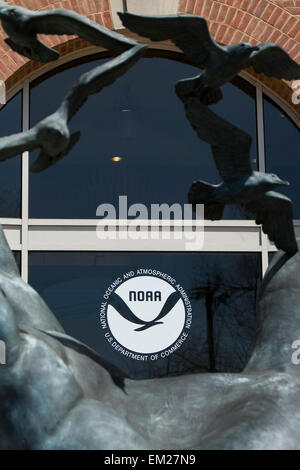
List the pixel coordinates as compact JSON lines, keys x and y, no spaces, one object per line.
{"x":22,"y":27}
{"x":252,"y":190}
{"x":52,"y":134}
{"x":219,"y":64}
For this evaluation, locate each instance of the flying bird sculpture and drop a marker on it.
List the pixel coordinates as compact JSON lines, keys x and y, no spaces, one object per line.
{"x":52,"y":134}
{"x":122,"y":308}
{"x":22,"y":27}
{"x":220,"y":64}
{"x":252,"y":190}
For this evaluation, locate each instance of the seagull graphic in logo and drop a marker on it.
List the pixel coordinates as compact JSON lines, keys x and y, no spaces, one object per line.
{"x":122,"y":308}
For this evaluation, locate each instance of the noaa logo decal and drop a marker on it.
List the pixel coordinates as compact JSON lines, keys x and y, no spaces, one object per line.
{"x":145,"y":314}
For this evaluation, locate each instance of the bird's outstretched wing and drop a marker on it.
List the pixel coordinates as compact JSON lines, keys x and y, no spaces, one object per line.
{"x":189,"y":32}
{"x":61,"y":21}
{"x":44,"y":160}
{"x":230,"y":145}
{"x":274,"y":61}
{"x":89,"y":83}
{"x":99,"y":77}
{"x":275,"y":212}
{"x":233,"y":160}
{"x":15,"y":144}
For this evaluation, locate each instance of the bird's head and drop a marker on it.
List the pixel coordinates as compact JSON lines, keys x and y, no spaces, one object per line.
{"x":11,"y":15}
{"x":4,"y":9}
{"x":270,"y":180}
{"x":246,"y":49}
{"x":240,"y":53}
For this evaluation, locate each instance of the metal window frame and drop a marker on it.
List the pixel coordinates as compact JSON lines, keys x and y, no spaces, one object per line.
{"x":25,"y":234}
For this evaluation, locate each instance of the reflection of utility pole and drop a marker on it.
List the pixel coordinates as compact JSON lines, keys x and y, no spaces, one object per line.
{"x":208,"y":292}
{"x":2,"y":353}
{"x":209,"y":298}
{"x":125,"y":9}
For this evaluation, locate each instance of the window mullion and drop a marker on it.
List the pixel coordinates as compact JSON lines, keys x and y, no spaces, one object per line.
{"x":260,"y":128}
{"x":25,"y":186}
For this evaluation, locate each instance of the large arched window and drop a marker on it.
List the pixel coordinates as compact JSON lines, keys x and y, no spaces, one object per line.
{"x":140,"y":119}
{"x":10,"y":175}
{"x":282,"y":142}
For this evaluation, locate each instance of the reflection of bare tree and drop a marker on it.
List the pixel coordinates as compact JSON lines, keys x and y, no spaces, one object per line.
{"x":237,"y":212}
{"x":229,"y":294}
{"x":223,"y":294}
{"x":211,"y":291}
{"x":10,"y":203}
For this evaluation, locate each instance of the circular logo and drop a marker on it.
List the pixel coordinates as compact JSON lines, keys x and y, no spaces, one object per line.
{"x":145,"y":312}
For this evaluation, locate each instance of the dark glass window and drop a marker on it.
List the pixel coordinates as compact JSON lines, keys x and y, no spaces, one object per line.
{"x":222,"y":289}
{"x":10,"y":174}
{"x":17,"y":255}
{"x":139,"y":119}
{"x":238,"y":106}
{"x":282,"y":140}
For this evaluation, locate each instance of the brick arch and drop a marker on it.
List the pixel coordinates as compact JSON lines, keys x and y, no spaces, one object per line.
{"x":292,"y":6}
{"x":254,"y":21}
{"x":14,"y":68}
{"x":230,"y":21}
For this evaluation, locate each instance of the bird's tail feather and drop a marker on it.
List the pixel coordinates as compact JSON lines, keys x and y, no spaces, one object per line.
{"x":44,"y":53}
{"x":201,"y":192}
{"x":40,"y":52}
{"x":213,"y":211}
{"x":204,"y":193}
{"x":14,"y":46}
{"x":148,"y":325}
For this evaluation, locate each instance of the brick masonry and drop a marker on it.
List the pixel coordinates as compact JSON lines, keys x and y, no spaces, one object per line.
{"x":15,"y":68}
{"x":254,"y":21}
{"x":230,"y":21}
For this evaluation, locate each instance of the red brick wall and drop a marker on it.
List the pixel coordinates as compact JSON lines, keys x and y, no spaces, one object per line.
{"x":14,"y":68}
{"x":254,"y":21}
{"x":292,"y":6}
{"x":230,"y":21}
